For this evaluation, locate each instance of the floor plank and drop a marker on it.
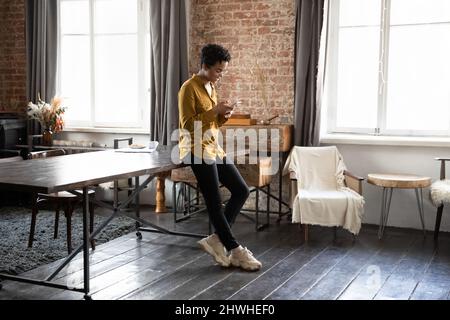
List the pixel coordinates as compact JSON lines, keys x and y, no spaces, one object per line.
{"x":310,"y":273}
{"x":337,"y":280}
{"x":206,"y":287}
{"x":255,"y":240}
{"x":409,"y":271}
{"x":401,"y":266}
{"x":371,"y":278}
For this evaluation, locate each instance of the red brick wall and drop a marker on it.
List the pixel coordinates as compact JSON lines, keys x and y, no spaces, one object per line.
{"x":12,"y":55}
{"x":260,"y":37}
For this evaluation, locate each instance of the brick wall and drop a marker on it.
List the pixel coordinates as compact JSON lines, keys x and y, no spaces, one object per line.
{"x":260,"y":37}
{"x":12,"y":55}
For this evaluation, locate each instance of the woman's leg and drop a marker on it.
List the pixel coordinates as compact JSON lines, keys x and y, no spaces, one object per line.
{"x":208,"y":181}
{"x":233,"y":181}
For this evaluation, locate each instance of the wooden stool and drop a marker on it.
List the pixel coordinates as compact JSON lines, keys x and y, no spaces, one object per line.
{"x":183,"y":202}
{"x":399,"y":181}
{"x":257,"y":176}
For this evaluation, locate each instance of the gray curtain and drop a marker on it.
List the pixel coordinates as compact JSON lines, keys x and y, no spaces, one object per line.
{"x":169,"y":65}
{"x":309,"y":20}
{"x":42,"y":48}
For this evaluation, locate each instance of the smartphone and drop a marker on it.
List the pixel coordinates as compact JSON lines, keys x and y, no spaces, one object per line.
{"x":235,"y":103}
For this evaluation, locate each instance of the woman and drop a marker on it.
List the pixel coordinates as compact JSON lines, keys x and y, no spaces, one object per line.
{"x":200,"y":117}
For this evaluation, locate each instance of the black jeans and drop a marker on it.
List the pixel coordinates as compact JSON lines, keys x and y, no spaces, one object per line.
{"x":208,"y":176}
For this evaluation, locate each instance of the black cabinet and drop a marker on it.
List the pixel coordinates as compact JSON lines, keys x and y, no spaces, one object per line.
{"x":13,"y":131}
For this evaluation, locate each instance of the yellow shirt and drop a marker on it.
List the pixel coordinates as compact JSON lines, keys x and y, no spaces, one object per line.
{"x":195,"y":104}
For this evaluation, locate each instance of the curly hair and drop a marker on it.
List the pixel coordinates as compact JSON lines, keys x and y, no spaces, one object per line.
{"x":213,"y":53}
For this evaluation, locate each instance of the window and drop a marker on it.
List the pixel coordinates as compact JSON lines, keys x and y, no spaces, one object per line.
{"x":104,"y":55}
{"x":388,"y":70}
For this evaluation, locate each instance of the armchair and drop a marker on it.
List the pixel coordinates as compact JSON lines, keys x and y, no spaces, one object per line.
{"x":323,"y":192}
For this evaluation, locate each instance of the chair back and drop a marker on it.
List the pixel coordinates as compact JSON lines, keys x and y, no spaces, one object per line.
{"x":45,"y":154}
{"x":316,"y":168}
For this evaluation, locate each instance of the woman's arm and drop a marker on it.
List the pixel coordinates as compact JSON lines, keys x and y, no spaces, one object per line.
{"x":186,"y":108}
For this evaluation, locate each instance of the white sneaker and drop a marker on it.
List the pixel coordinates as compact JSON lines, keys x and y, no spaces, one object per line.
{"x":214,"y":247}
{"x":242,"y":257}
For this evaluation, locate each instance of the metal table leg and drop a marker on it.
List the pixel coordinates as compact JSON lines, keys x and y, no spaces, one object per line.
{"x":385,"y":206}
{"x":137,"y":209}
{"x":420,"y":206}
{"x":280,"y":184}
{"x":86,"y":240}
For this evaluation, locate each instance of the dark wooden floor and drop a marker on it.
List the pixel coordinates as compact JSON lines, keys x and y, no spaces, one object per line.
{"x":403,"y":265}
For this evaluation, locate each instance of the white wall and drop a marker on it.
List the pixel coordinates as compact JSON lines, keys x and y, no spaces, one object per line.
{"x":364,"y":159}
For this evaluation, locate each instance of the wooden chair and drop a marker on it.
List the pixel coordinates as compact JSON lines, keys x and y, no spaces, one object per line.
{"x":183,"y":203}
{"x":123,"y":184}
{"x":350,"y":180}
{"x":65,"y":200}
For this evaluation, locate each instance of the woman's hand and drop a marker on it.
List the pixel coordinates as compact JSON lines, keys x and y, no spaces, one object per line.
{"x":224,"y":108}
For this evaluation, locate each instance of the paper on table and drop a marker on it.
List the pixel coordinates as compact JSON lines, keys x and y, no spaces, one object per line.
{"x":151,"y":147}
{"x":131,"y":150}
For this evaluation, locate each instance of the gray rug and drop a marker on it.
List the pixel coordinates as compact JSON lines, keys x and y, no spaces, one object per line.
{"x":16,"y":257}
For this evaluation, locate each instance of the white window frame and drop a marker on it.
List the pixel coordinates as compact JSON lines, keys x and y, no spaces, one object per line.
{"x":331,"y":79}
{"x":143,"y":123}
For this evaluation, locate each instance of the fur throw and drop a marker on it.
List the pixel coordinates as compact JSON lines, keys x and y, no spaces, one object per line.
{"x":440,"y":192}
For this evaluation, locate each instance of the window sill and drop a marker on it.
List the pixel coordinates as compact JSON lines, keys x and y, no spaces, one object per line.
{"x":108,"y":130}
{"x":338,"y":138}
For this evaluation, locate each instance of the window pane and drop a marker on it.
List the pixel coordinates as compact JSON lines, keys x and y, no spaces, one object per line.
{"x":115,"y":16}
{"x":419,"y":11}
{"x":357,"y":81}
{"x":116,"y":79}
{"x":75,"y":17}
{"x":75,"y":77}
{"x":419,"y":78}
{"x":359,"y":12}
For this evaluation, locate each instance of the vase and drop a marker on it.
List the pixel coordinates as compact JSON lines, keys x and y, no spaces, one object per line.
{"x":47,"y":137}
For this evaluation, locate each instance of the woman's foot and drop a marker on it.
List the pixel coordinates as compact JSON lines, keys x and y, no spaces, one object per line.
{"x":242,"y":257}
{"x":214,"y":247}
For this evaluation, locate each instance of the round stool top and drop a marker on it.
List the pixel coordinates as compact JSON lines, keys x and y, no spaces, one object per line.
{"x":407,"y":181}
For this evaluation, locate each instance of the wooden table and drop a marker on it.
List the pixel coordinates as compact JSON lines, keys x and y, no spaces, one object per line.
{"x":398,"y":181}
{"x":160,"y":197}
{"x":279,"y":142}
{"x":79,"y":171}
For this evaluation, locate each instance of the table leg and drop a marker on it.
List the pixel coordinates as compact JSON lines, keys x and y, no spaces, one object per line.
{"x":380,"y":225}
{"x":420,"y":206}
{"x":116,"y":194}
{"x":280,"y":184}
{"x":86,"y":238}
{"x":137,"y":208}
{"x":385,"y":206}
{"x":160,"y":193}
